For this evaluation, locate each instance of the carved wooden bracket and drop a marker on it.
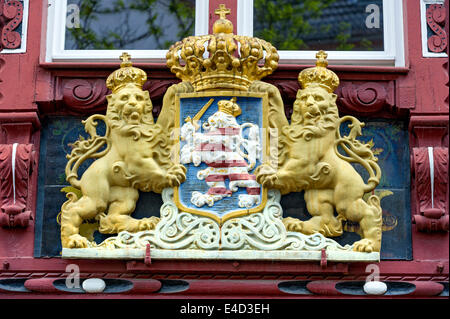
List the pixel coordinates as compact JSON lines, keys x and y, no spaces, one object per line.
{"x":435,"y":16}
{"x":18,"y":135}
{"x":83,"y":95}
{"x":16,"y":163}
{"x":365,"y":98}
{"x":429,"y":172}
{"x":430,"y":186}
{"x":11,"y":15}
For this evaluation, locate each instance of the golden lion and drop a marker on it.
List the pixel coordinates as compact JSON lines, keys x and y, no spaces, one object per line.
{"x":310,"y":161}
{"x":134,"y":155}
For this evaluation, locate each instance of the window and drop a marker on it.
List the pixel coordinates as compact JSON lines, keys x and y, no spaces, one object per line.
{"x":99,"y":30}
{"x":361,"y":32}
{"x":342,"y":25}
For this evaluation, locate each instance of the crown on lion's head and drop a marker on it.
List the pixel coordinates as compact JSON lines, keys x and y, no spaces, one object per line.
{"x":319,"y":75}
{"x":127,"y":74}
{"x":126,"y":81}
{"x":223,"y":67}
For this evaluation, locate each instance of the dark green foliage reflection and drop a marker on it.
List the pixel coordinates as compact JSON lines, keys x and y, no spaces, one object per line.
{"x":128,"y":24}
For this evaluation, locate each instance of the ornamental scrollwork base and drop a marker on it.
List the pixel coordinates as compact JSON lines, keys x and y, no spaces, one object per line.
{"x":266,"y":231}
{"x":175,"y":230}
{"x":192,"y":234}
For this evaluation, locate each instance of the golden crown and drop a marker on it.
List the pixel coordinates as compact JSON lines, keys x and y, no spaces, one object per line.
{"x":127,"y":74}
{"x":319,"y":75}
{"x":229,"y":107}
{"x":223,"y":68}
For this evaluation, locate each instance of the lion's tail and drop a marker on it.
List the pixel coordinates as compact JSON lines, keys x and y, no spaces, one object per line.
{"x":85,"y":149}
{"x":374,"y":201}
{"x":358,"y":152}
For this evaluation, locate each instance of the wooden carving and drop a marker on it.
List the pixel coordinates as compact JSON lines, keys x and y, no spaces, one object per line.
{"x":435,"y":16}
{"x":16,"y":162}
{"x":430,"y":175}
{"x":11,"y":15}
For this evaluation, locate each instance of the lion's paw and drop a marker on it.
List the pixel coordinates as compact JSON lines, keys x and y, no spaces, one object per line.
{"x":176,"y":175}
{"x":293,"y":224}
{"x":266,"y":176}
{"x":366,"y":245}
{"x":76,"y":241}
{"x":148,"y":223}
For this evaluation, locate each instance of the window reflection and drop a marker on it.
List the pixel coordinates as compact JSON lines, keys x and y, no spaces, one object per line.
{"x":340,"y":25}
{"x":129,"y":24}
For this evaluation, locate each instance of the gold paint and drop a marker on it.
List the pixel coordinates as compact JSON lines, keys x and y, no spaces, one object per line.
{"x":132,"y":156}
{"x":135,"y":154}
{"x":222,"y":12}
{"x":238,"y":213}
{"x":127,"y":74}
{"x":229,"y":107}
{"x":88,"y":227}
{"x":199,"y":114}
{"x":222,"y":25}
{"x":125,"y":57}
{"x":222,"y":69}
{"x":309,"y":160}
{"x":376,"y":151}
{"x":389,"y":221}
{"x":319,"y":75}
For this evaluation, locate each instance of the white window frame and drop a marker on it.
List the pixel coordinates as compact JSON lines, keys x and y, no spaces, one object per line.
{"x":393,"y":54}
{"x":23,"y":36}
{"x":426,"y":53}
{"x":56,"y":22}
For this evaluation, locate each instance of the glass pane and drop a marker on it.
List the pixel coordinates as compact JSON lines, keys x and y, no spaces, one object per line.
{"x":331,"y":25}
{"x":128,"y":24}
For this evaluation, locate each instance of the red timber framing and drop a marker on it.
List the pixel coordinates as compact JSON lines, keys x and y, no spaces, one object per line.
{"x":31,"y":89}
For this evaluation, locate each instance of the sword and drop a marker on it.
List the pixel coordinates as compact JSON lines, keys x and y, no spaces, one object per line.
{"x":199,"y":114}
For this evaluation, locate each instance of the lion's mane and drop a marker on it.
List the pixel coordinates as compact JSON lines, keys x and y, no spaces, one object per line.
{"x":156,"y":137}
{"x":327,"y":122}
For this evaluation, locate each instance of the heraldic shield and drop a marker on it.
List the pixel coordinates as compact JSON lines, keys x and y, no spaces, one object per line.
{"x":222,"y":139}
{"x":221,"y":153}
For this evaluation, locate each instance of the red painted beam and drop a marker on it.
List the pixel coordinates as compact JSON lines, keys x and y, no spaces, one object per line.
{"x":29,"y":265}
{"x":238,"y":267}
{"x":426,"y":289}
{"x":323,"y":287}
{"x":233,"y":287}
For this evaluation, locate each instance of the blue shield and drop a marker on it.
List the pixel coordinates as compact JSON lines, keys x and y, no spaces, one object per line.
{"x":222,"y":139}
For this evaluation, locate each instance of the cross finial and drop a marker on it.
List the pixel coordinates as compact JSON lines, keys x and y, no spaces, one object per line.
{"x":222,"y":11}
{"x":321,"y":57}
{"x":125,"y":57}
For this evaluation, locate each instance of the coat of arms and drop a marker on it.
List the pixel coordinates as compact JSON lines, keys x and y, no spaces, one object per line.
{"x":221,"y":154}
{"x":222,"y":139}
